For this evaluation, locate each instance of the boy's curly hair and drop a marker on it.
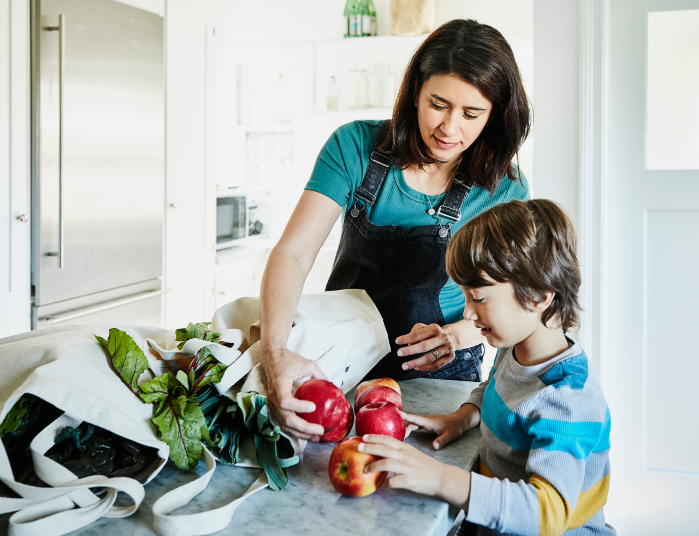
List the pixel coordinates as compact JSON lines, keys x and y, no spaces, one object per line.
{"x":529,"y":244}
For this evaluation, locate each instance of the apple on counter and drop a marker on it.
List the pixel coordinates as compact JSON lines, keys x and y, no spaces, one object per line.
{"x":386,"y":382}
{"x":329,"y":401}
{"x":381,"y":418}
{"x":377,"y":393}
{"x":346,"y":469}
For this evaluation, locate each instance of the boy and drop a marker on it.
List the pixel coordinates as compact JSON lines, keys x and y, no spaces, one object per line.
{"x":544,"y":451}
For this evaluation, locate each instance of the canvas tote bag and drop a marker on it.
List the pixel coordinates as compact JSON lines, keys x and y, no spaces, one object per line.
{"x":66,"y":367}
{"x":341,"y":330}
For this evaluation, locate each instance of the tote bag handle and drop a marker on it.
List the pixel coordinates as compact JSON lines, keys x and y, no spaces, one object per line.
{"x":203,"y":522}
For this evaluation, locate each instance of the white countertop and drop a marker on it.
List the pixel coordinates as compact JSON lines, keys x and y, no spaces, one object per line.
{"x":310,"y":505}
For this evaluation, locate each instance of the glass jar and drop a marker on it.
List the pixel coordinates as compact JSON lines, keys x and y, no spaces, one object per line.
{"x":381,"y":86}
{"x":333,"y":94}
{"x":358,"y":89}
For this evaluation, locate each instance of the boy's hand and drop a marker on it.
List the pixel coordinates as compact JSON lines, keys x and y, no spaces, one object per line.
{"x":414,"y":470}
{"x":447,"y":427}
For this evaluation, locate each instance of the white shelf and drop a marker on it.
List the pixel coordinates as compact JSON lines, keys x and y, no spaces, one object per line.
{"x":377,"y":39}
{"x":261,"y":241}
{"x":388,"y":112}
{"x":285,"y":127}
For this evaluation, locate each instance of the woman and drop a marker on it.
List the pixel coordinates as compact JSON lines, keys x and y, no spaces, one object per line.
{"x":404,"y":188}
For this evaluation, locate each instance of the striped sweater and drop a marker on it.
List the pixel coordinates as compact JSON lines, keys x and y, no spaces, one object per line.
{"x":544,"y":452}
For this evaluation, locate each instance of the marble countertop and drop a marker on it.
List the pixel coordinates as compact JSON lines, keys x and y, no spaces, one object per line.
{"x":310,"y":505}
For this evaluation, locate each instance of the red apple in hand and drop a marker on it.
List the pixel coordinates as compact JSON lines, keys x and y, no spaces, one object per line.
{"x":381,"y":418}
{"x":346,"y":469}
{"x":377,"y":393}
{"x":343,"y":429}
{"x":329,"y":401}
{"x":386,"y":382}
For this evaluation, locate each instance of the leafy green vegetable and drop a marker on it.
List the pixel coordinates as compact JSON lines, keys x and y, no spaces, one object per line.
{"x":29,"y":416}
{"x":226,"y":426}
{"x":158,"y":390}
{"x":88,"y":450}
{"x":196,"y":331}
{"x":229,"y":422}
{"x":127,"y":359}
{"x":182,"y":427}
{"x":13,"y":419}
{"x":274,"y":451}
{"x":179,"y":419}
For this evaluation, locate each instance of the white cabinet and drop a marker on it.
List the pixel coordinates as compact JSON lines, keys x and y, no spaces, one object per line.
{"x":14,"y":168}
{"x":239,"y":273}
{"x":190,"y":192}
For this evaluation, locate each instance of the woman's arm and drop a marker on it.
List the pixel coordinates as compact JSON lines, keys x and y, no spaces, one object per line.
{"x":424,"y":339}
{"x":282,"y":283}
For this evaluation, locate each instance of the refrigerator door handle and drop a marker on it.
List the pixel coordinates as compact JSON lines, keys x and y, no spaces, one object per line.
{"x":104,"y":306}
{"x":61,"y":71}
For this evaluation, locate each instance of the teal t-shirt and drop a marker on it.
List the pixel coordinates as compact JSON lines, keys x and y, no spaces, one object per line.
{"x":340,"y":168}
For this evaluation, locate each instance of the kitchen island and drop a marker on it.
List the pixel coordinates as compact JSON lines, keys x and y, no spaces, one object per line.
{"x":310,"y":505}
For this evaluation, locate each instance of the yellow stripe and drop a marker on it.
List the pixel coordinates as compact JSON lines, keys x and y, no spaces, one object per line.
{"x":555,"y":515}
{"x":554,"y":511}
{"x":485,"y":471}
{"x":590,"y":502}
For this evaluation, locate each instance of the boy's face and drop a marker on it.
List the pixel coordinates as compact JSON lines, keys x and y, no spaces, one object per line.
{"x":496,"y":311}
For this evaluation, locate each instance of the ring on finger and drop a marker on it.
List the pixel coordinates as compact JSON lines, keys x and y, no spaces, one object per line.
{"x":436,"y":353}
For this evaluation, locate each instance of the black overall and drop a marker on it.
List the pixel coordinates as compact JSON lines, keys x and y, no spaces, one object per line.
{"x":403,"y":271}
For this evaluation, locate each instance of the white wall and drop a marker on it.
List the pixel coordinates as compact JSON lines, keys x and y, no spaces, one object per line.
{"x":556,"y":121}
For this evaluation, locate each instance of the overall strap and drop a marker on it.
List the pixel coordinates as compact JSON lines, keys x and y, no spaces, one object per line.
{"x":376,"y":172}
{"x":451,"y":206}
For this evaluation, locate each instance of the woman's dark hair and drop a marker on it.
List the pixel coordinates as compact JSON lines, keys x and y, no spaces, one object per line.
{"x":529,"y":244}
{"x":480,"y":55}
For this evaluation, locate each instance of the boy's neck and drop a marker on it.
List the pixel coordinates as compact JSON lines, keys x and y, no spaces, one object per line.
{"x":541,"y":346}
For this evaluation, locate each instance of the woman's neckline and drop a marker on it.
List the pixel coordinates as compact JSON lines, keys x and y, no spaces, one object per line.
{"x":414,"y":194}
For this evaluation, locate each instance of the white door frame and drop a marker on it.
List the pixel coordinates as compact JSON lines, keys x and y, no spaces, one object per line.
{"x":592,"y":195}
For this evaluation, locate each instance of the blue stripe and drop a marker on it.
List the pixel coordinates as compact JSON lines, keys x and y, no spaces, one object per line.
{"x":571,"y":372}
{"x":578,"y":439}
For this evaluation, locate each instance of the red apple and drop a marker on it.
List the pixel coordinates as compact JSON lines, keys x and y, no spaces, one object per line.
{"x":378,"y":393}
{"x":346,"y":469}
{"x":386,"y":382}
{"x":381,"y":418}
{"x":329,"y":401}
{"x":343,"y":429}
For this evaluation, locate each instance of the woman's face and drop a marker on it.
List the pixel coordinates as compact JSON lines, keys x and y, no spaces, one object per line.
{"x":451,"y":114}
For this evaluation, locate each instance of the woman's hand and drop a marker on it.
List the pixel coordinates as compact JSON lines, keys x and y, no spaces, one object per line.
{"x":447,"y":427}
{"x":414,"y":470}
{"x":281,"y":368}
{"x":438,"y":344}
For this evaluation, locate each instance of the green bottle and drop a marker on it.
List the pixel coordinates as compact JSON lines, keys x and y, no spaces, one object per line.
{"x":352,"y":22}
{"x":369,"y":20}
{"x":363,"y":18}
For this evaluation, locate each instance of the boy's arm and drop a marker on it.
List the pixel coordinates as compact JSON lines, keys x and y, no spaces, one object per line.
{"x":416,"y":471}
{"x":551,"y":501}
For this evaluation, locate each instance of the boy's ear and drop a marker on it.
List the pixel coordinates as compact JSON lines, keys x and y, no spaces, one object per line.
{"x":544,"y":304}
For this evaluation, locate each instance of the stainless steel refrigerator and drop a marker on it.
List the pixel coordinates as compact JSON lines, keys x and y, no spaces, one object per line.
{"x":98,"y":142}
